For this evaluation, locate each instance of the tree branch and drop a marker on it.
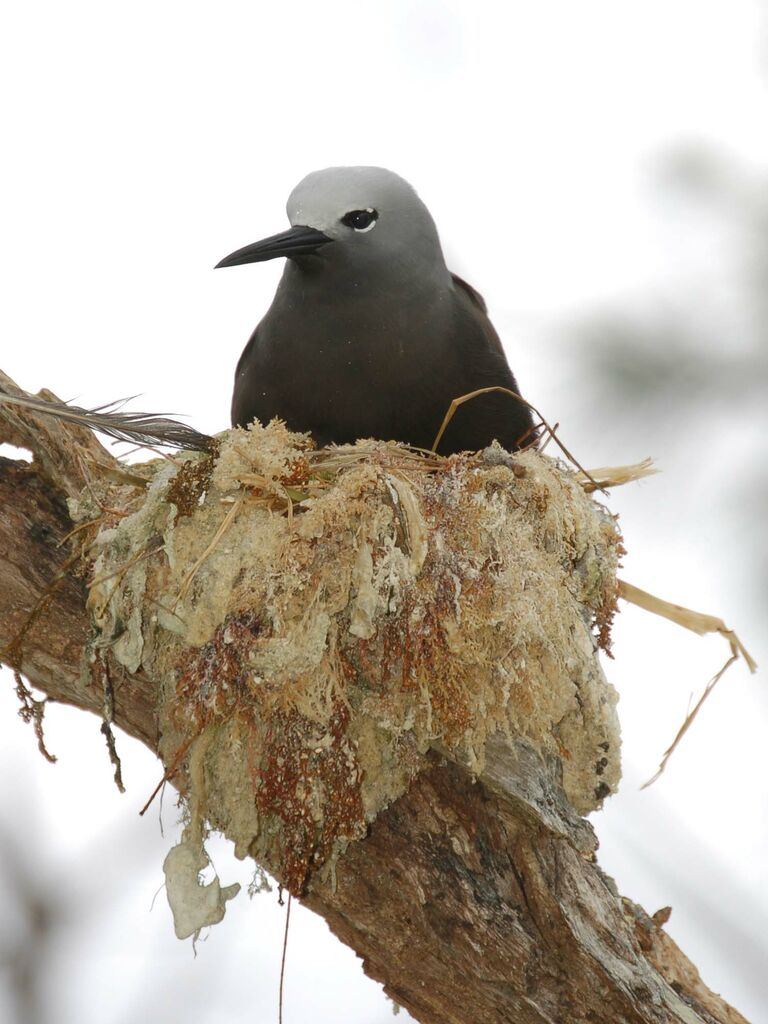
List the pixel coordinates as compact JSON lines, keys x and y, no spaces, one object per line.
{"x":471,"y":898}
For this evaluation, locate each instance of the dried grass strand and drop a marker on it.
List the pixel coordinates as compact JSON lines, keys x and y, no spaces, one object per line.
{"x":689,"y":720}
{"x":225,"y":524}
{"x":552,"y":431}
{"x":282,"y":961}
{"x":616,"y":476}
{"x":169,"y":772}
{"x":697,"y":622}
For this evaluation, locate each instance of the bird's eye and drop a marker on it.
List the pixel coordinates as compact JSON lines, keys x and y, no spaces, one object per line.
{"x":360,"y":220}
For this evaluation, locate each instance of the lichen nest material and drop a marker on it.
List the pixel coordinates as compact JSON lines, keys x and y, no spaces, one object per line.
{"x":316,"y":621}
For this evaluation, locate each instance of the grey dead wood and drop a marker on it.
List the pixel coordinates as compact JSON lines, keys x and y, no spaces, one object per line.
{"x":471,"y":900}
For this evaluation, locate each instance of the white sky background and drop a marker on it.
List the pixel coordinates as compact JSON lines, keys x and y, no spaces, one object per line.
{"x":140,"y":144}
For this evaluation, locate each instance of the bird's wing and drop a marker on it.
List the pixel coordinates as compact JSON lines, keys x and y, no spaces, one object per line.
{"x":476,"y":300}
{"x":474,"y":295}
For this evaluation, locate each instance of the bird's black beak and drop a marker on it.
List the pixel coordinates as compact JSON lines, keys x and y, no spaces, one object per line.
{"x":297,"y":241}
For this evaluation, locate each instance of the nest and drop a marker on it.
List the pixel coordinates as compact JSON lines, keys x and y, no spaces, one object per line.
{"x":316,"y":622}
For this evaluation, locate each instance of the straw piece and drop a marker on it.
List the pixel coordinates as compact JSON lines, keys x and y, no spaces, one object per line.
{"x":226,"y":523}
{"x":615,"y":476}
{"x":699,"y":623}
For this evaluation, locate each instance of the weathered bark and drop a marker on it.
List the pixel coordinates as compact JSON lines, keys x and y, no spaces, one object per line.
{"x":471,"y":900}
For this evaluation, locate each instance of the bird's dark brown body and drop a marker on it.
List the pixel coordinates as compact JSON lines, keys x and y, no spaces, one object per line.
{"x":372,"y":336}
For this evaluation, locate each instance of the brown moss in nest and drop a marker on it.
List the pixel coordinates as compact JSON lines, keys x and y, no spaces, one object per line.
{"x":605,"y":613}
{"x":312,"y":786}
{"x":337,"y":613}
{"x":188,"y":487}
{"x":213,"y":679}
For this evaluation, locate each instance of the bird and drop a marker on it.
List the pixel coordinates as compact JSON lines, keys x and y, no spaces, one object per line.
{"x":369,"y":334}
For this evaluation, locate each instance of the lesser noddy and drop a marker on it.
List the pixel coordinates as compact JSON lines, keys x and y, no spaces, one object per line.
{"x":369,"y":333}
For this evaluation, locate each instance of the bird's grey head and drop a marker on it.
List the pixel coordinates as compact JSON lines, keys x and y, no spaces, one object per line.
{"x":353,"y":218}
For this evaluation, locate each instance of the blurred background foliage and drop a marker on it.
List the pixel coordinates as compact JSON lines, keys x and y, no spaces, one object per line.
{"x":687,"y":365}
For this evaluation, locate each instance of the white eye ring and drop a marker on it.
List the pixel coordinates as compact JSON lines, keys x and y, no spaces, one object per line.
{"x":370,"y":227}
{"x":349,"y":219}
